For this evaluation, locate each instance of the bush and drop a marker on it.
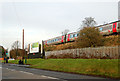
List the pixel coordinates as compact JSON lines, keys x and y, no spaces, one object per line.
{"x":89,"y":37}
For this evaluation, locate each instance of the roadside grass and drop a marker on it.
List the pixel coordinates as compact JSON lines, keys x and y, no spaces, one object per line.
{"x":101,"y":67}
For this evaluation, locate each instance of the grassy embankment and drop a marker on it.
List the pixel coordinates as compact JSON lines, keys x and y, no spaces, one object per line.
{"x":102,"y":67}
{"x":108,"y":41}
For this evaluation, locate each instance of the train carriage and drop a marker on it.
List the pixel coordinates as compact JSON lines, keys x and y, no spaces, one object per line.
{"x":55,"y":40}
{"x":72,"y":36}
{"x":106,"y":29}
{"x":111,"y":28}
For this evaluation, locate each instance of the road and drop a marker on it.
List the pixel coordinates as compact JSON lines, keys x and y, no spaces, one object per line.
{"x":14,"y":72}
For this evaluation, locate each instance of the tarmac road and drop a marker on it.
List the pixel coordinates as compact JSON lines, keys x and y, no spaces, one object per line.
{"x":16,"y":72}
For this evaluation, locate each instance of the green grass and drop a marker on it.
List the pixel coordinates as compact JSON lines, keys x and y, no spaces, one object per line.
{"x":103,"y":67}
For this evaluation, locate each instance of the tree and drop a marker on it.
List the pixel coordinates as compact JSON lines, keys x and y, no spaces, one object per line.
{"x":65,"y":32}
{"x":88,"y":22}
{"x":89,"y":37}
{"x":16,"y":46}
{"x":13,"y":54}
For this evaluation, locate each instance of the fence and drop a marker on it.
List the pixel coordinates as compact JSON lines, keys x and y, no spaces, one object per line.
{"x":99,"y":52}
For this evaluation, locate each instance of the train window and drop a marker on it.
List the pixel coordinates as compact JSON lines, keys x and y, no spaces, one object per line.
{"x":114,"y":26}
{"x":71,"y":36}
{"x":100,"y":29}
{"x":75,"y":35}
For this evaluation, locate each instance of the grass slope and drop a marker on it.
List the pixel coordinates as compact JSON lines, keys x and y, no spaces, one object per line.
{"x":102,"y":67}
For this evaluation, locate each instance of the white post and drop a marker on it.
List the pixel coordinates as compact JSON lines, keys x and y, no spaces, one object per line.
{"x":42,"y":47}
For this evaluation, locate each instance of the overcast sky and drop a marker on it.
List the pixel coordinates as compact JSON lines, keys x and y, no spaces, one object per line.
{"x":45,"y":19}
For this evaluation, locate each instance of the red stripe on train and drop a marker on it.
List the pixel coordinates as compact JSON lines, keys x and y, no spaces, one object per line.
{"x":62,"y":38}
{"x":68,"y":39}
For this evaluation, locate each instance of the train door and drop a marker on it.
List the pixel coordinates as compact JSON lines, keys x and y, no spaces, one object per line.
{"x":62,"y":39}
{"x":114,"y":28}
{"x":68,"y":39}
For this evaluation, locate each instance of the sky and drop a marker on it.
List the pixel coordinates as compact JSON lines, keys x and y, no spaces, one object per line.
{"x":45,"y":19}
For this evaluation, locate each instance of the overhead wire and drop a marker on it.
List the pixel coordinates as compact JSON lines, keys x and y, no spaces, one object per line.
{"x":17,"y":18}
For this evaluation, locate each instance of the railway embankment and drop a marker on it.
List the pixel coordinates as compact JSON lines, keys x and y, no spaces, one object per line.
{"x":112,"y":40}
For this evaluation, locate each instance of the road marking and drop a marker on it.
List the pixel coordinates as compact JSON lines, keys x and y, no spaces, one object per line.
{"x":48,"y":77}
{"x":0,"y":67}
{"x":26,"y":72}
{"x":32,"y":73}
{"x":41,"y":75}
{"x":6,"y":68}
{"x":10,"y":69}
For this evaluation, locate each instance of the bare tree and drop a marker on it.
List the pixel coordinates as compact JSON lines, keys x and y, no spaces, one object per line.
{"x":16,"y":46}
{"x":88,"y":22}
{"x":65,"y":32}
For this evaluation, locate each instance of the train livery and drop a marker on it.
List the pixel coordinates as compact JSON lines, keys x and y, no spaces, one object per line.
{"x":110,"y":28}
{"x":106,"y":29}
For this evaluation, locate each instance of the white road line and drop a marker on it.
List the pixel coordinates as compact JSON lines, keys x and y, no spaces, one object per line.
{"x":10,"y":69}
{"x":32,"y":73}
{"x":48,"y":77}
{"x":26,"y":72}
{"x":6,"y":68}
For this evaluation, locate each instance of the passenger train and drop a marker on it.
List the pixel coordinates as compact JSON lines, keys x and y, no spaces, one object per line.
{"x":106,"y":29}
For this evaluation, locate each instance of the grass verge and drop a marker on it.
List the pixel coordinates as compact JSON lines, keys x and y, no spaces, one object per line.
{"x":99,"y":67}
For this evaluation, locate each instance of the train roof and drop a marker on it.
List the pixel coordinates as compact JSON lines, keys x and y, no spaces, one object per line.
{"x":60,"y":36}
{"x":107,"y":23}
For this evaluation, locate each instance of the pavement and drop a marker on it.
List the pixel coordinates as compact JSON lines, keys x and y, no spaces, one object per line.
{"x":14,"y":71}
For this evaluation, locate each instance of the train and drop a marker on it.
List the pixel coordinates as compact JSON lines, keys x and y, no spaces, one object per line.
{"x":106,"y":29}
